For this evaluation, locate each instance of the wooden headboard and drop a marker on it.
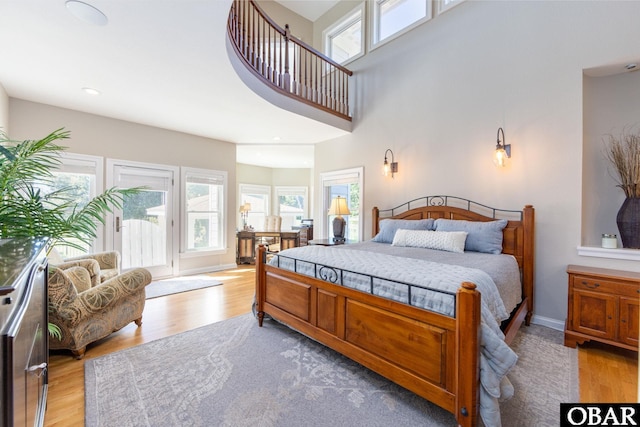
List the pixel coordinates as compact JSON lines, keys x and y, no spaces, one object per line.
{"x":518,"y":235}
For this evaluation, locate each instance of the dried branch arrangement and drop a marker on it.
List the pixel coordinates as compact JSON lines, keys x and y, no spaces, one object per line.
{"x":624,"y":154}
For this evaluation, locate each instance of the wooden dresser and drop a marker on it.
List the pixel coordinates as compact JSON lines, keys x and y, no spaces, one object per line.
{"x":603,"y":306}
{"x":23,"y":332}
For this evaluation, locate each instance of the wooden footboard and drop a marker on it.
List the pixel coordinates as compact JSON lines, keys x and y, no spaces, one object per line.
{"x":434,"y":356}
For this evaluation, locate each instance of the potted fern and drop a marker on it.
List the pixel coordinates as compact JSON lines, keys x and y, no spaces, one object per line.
{"x":624,"y":154}
{"x":27,"y":210}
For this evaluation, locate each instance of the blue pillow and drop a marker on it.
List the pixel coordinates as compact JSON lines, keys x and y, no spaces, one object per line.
{"x":388,"y":228}
{"x":482,"y":236}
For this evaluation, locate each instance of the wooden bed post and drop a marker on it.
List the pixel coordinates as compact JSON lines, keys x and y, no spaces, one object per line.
{"x":468,"y":356}
{"x":528,"y":220}
{"x":375,"y":221}
{"x":260,"y":283}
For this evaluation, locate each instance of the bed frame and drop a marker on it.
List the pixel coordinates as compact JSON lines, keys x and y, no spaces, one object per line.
{"x":393,"y":338}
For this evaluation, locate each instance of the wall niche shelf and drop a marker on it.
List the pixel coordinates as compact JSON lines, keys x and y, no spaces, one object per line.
{"x":619,"y":253}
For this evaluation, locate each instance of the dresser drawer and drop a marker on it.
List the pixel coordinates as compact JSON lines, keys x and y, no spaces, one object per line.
{"x":594,"y":284}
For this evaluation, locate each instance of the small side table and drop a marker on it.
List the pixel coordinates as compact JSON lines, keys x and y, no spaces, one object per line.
{"x":329,"y":242}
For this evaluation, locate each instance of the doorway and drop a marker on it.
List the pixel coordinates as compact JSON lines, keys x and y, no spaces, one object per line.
{"x":143,"y":230}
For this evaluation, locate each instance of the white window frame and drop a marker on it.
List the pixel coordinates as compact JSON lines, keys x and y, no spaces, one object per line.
{"x":375,"y":22}
{"x":213,"y":175}
{"x":335,"y":177}
{"x":444,"y":5}
{"x":292,"y":190}
{"x":92,"y":165}
{"x":264,"y":190}
{"x":341,"y":25}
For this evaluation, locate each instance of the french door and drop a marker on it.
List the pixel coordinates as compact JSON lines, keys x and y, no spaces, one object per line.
{"x":142,"y":231}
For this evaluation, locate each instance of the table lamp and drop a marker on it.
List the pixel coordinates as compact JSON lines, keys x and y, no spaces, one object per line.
{"x":339,"y":207}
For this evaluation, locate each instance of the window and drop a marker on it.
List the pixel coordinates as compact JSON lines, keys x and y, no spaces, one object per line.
{"x":393,"y":17}
{"x":291,"y":206}
{"x":84,"y":174}
{"x":348,"y":184}
{"x":204,"y":202}
{"x":258,"y":197}
{"x":444,"y":5}
{"x":344,"y":40}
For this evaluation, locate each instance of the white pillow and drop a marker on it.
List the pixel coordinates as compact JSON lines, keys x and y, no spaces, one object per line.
{"x":451,"y":241}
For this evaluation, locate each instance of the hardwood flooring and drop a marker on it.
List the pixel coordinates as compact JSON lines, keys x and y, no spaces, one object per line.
{"x":606,"y":374}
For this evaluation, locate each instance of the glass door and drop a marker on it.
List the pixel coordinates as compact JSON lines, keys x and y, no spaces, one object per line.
{"x":143,"y":228}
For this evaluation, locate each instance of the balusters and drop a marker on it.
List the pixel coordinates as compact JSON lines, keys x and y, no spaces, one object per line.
{"x":286,"y":62}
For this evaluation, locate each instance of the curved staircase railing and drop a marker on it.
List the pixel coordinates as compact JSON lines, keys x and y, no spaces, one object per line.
{"x":286,"y":62}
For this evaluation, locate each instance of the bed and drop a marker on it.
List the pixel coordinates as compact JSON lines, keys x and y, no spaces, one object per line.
{"x":435,"y":352}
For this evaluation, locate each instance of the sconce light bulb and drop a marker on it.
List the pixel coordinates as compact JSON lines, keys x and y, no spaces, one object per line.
{"x":386,"y":169}
{"x":500,"y":157}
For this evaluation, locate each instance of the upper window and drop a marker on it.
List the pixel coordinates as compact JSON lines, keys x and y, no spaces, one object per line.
{"x":393,"y":17}
{"x":292,"y":206}
{"x":444,"y":5}
{"x":344,"y":41}
{"x":204,"y":207}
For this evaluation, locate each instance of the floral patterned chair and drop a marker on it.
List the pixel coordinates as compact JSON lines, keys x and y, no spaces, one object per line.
{"x":108,"y":262}
{"x":87,"y":310}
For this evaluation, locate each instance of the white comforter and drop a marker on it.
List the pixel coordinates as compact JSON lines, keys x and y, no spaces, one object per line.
{"x":496,"y":357}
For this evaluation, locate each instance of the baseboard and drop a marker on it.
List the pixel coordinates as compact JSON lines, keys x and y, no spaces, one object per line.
{"x":548,"y":322}
{"x":209,"y":269}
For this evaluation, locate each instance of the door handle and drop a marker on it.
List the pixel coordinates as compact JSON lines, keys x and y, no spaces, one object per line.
{"x":117,"y":224}
{"x":37,"y":370}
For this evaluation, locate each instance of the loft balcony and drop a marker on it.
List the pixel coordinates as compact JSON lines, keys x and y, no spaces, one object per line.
{"x":284,"y":70}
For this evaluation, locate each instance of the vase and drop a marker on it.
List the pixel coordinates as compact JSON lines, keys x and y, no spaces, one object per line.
{"x":628,"y":220}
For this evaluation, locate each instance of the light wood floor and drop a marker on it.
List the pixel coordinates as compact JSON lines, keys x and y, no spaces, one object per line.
{"x":606,"y":374}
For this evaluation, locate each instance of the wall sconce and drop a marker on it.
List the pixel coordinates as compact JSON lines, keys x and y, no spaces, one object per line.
{"x":339,"y":207}
{"x":503,"y":151}
{"x":244,"y":213}
{"x":389,"y":168}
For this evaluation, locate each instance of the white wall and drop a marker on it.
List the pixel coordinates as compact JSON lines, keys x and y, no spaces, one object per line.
{"x":4,"y":110}
{"x":110,"y":138}
{"x":438,"y":95}
{"x":300,"y":27}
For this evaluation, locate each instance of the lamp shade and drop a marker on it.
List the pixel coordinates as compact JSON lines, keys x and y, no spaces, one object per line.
{"x":339,"y":206}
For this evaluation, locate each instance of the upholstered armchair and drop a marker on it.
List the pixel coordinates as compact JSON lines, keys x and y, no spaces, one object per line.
{"x":108,"y":262}
{"x":86,"y":310}
{"x":272,"y":223}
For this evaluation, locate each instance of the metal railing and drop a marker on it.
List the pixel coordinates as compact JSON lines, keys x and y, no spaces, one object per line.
{"x":286,"y":63}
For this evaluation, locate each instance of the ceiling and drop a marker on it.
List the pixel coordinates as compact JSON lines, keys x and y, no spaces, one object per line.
{"x":162,"y":63}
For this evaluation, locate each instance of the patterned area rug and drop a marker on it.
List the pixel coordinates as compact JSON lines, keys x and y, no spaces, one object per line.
{"x":176,"y":285}
{"x":233,"y":373}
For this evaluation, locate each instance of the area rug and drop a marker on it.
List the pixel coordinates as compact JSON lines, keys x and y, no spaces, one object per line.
{"x":176,"y":285}
{"x":235,"y":374}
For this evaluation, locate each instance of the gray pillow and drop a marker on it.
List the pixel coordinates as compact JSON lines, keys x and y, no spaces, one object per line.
{"x":388,"y":228}
{"x":482,"y":236}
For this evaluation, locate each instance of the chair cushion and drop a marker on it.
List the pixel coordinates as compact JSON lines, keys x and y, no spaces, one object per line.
{"x":108,"y":274}
{"x":80,"y":277}
{"x":61,"y":290}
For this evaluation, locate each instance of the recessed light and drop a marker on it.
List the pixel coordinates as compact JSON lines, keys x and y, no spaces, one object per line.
{"x":276,"y":138}
{"x":86,"y":12}
{"x":91,"y":91}
{"x":630,"y":66}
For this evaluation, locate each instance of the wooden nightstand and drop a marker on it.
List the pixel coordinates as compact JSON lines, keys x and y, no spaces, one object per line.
{"x":604,"y":306}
